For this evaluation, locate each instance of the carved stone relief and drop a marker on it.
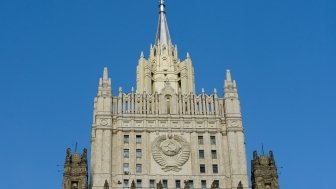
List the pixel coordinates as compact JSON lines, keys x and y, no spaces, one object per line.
{"x":171,"y":152}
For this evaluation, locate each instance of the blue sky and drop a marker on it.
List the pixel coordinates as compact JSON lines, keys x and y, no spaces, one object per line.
{"x":281,"y":53}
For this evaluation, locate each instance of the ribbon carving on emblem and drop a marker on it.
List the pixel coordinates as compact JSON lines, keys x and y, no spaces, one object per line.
{"x":170,"y":152}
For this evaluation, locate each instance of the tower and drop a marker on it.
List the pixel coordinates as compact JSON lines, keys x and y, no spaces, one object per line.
{"x":164,"y":134}
{"x":75,"y":174}
{"x":264,"y":172}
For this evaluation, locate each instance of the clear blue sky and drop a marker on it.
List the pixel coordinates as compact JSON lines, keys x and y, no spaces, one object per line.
{"x":281,"y":53}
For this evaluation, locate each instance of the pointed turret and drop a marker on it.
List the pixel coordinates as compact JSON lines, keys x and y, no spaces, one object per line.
{"x":105,"y":88}
{"x":264,"y":173}
{"x":162,"y":34}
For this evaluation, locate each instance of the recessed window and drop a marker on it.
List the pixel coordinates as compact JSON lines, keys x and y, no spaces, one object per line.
{"x":216,"y":184}
{"x":200,"y":140}
{"x":201,"y":154}
{"x":138,"y":153}
{"x":151,"y":184}
{"x":214,"y":154}
{"x":126,"y":153}
{"x":126,"y":168}
{"x":138,"y":139}
{"x":126,"y":183}
{"x":138,"y":168}
{"x":165,"y":183}
{"x":202,"y":168}
{"x":215,"y":168}
{"x":178,"y":184}
{"x":138,"y":183}
{"x":126,"y":139}
{"x":203,"y":184}
{"x":191,"y":184}
{"x":212,"y":140}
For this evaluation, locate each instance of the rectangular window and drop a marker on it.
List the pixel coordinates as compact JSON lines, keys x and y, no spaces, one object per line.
{"x":138,"y":139}
{"x":201,"y":154}
{"x":178,"y":184}
{"x":138,"y":153}
{"x":191,"y":184}
{"x":152,"y":184}
{"x":138,"y":168}
{"x":138,"y":183}
{"x":126,"y":139}
{"x":126,"y":168}
{"x":126,"y":153}
{"x":215,"y":168}
{"x":126,"y":183}
{"x":202,"y":168}
{"x":214,"y":154}
{"x":203,"y":184}
{"x":200,"y":140}
{"x":213,"y":140}
{"x":216,"y":183}
{"x":165,"y":183}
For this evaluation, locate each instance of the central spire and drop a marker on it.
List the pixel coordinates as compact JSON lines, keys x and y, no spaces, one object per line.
{"x":162,"y":34}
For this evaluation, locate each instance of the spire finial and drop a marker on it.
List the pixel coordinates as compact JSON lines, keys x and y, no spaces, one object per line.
{"x":162,"y":6}
{"x":162,"y":35}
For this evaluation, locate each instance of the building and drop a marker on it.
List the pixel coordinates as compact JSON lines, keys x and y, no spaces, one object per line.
{"x":163,"y":134}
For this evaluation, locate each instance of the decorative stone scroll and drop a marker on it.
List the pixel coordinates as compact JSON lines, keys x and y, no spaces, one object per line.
{"x":170,"y":152}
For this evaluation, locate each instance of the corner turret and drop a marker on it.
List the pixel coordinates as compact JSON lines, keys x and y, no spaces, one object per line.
{"x":75,"y":174}
{"x":264,"y":174}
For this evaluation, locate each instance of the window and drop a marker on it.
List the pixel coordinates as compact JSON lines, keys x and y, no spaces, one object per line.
{"x":126,"y":168}
{"x":213,"y":140}
{"x":165,"y":183}
{"x":151,"y":184}
{"x":201,"y":154}
{"x":214,"y":154}
{"x":200,"y":140}
{"x":138,"y":168}
{"x":215,"y":184}
{"x":138,"y":139}
{"x":138,"y":183}
{"x":215,"y":168}
{"x":126,"y":139}
{"x":178,"y":184}
{"x":126,"y":153}
{"x":138,"y":153}
{"x":191,"y":184}
{"x":126,"y":183}
{"x":202,"y":168}
{"x":203,"y":183}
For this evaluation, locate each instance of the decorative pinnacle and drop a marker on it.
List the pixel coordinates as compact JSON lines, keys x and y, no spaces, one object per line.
{"x":228,"y":75}
{"x":105,"y":74}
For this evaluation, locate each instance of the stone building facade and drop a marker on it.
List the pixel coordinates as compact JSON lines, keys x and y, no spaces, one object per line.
{"x":264,"y":173}
{"x":75,"y":174}
{"x":163,"y":134}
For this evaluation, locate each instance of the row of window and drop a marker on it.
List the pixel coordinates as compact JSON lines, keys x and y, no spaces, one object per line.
{"x":152,"y":183}
{"x":212,"y":140}
{"x":138,"y":153}
{"x":213,"y":154}
{"x":214,"y":168}
{"x":138,"y":139}
{"x":138,"y":168}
